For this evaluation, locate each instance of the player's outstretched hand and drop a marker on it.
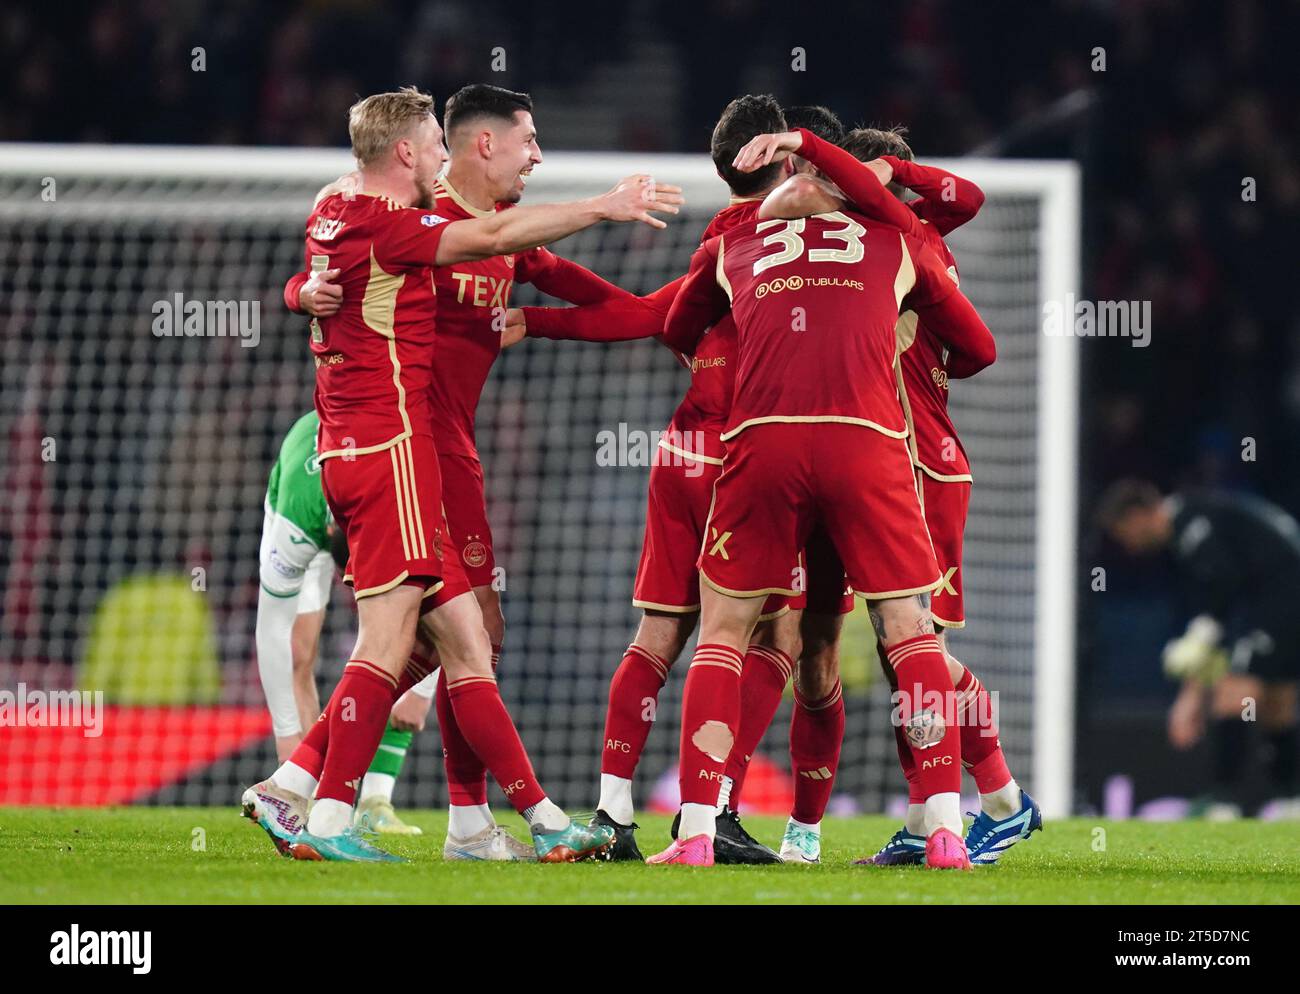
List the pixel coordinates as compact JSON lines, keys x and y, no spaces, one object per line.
{"x":516,"y":327}
{"x":320,"y":296}
{"x":639,"y":198}
{"x":765,"y":149}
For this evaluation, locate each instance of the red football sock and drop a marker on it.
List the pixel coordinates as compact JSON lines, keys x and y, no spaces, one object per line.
{"x":981,"y":751}
{"x":310,"y":752}
{"x":358,"y":714}
{"x":908,"y":765}
{"x":487,"y":728}
{"x":762,"y":682}
{"x":928,"y":712}
{"x":905,"y":761}
{"x":710,"y":713}
{"x":816,"y":736}
{"x":633,"y":694}
{"x":466,"y":774}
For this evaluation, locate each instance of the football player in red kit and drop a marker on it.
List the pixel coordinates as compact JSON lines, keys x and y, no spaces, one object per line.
{"x":687,"y":464}
{"x":817,"y":442}
{"x":380,"y":476}
{"x":944,"y":201}
{"x":493,"y":141}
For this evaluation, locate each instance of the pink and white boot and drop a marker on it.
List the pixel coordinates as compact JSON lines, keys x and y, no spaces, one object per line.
{"x":695,"y":851}
{"x":946,"y":850}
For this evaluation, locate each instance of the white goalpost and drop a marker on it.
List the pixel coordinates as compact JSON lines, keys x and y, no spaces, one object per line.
{"x":164,"y":447}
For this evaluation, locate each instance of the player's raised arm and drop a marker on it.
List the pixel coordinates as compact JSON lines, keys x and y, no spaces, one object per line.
{"x":609,"y":321}
{"x":619,"y":319}
{"x":948,"y":201}
{"x":948,"y":313}
{"x":862,"y":183}
{"x":801,"y":196}
{"x":636,"y":198}
{"x":971,"y":346}
{"x":699,"y":303}
{"x":565,"y":279}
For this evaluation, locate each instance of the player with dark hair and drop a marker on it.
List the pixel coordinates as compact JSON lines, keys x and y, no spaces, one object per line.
{"x":483,"y":103}
{"x":688,"y":461}
{"x":943,"y":199}
{"x":494,"y":149}
{"x":381,"y":477}
{"x":819,"y":720}
{"x":1237,"y":558}
{"x":817,"y":443}
{"x":821,"y":121}
{"x":927,"y":363}
{"x":865,"y":144}
{"x":746,"y":115}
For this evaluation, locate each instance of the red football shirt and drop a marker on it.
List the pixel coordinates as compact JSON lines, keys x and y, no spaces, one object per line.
{"x":471,"y":296}
{"x":374,"y":358}
{"x":816,"y":301}
{"x":701,"y":417}
{"x":923,"y":358}
{"x":947,"y":201}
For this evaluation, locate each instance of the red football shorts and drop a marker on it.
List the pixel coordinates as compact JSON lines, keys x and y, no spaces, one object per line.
{"x":677,"y":508}
{"x":467,"y":523}
{"x":389,"y":505}
{"x":782,"y":480}
{"x":945,"y":506}
{"x":454,"y":581}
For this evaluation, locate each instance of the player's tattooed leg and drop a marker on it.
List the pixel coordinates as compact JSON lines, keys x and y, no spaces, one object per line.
{"x":924,"y":624}
{"x":877,"y":619}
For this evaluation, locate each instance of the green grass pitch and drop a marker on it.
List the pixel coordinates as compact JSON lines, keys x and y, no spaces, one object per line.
{"x":212,"y":856}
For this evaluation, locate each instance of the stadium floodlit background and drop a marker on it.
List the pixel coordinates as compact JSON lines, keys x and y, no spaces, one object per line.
{"x":128,"y":551}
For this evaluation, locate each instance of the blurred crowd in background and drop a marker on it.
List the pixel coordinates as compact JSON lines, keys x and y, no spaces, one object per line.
{"x":1183,"y":115}
{"x":1193,"y":99}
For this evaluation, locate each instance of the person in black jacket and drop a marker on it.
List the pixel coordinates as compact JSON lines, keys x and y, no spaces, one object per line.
{"x":1237,"y":558}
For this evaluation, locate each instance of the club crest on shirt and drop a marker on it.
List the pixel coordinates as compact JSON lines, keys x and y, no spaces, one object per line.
{"x":474,"y":553}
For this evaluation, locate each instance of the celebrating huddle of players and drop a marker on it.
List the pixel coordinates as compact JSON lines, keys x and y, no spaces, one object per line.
{"x":811,"y":461}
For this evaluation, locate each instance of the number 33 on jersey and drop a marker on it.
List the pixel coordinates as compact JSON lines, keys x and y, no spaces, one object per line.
{"x":816,"y":301}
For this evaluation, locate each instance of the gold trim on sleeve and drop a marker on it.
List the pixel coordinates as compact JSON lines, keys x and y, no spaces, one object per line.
{"x":719,"y":272}
{"x":905,"y":278}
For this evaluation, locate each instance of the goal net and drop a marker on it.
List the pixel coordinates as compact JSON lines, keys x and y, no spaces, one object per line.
{"x":136,"y":462}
